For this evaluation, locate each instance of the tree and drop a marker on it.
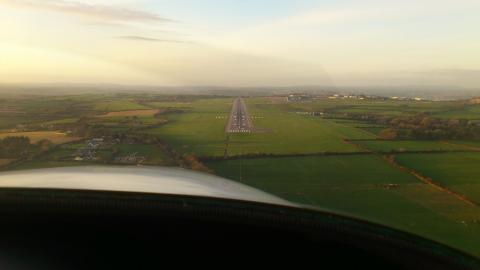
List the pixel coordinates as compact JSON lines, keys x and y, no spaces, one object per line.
{"x":14,"y":147}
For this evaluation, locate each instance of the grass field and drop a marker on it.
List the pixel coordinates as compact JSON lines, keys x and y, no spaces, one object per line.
{"x":400,"y":145}
{"x":368,"y":127}
{"x":201,"y":131}
{"x":459,"y":172}
{"x":11,"y":120}
{"x":61,"y":121}
{"x":471,"y":112}
{"x":119,"y":105}
{"x":36,"y":136}
{"x":474,"y":145}
{"x":383,"y":107}
{"x":290,"y":133}
{"x":130,"y":113}
{"x":198,"y":130}
{"x":173,"y":104}
{"x":128,"y":121}
{"x":359,"y":186}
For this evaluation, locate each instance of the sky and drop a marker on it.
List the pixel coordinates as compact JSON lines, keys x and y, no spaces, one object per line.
{"x":241,"y":42}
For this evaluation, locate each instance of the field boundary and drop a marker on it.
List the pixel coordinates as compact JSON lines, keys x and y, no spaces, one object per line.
{"x":429,"y":181}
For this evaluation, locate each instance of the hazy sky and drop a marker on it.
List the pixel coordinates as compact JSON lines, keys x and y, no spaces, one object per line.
{"x":241,"y":42}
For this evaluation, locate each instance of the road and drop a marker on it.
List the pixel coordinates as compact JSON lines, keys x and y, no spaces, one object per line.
{"x":239,"y":120}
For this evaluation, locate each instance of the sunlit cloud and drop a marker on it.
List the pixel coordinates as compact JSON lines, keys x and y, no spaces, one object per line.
{"x":104,"y":12}
{"x":149,"y":39}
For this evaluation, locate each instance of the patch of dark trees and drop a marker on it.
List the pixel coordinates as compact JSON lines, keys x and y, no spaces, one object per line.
{"x":20,"y":147}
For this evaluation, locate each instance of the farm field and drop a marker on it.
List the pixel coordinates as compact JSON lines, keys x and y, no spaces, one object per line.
{"x":456,"y":171}
{"x":362,"y":186}
{"x":471,"y":112}
{"x":404,"y":145}
{"x":8,"y":120}
{"x":61,"y":121}
{"x":119,"y":105}
{"x":292,"y":137}
{"x":36,"y":136}
{"x":173,"y":104}
{"x":475,"y":145}
{"x":127,"y":122}
{"x":201,"y":131}
{"x":130,"y":113}
{"x":293,"y":133}
{"x":383,"y":107}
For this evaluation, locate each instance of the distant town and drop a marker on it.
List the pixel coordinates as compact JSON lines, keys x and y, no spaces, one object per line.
{"x":294,"y":97}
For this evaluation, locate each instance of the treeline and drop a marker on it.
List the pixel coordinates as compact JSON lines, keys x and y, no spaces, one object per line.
{"x":20,"y":147}
{"x":422,"y":127}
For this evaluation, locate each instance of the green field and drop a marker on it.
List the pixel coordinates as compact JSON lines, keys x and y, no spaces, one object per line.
{"x":201,"y":131}
{"x":401,"y":146}
{"x":127,"y":121}
{"x":198,"y":130}
{"x":471,"y":112}
{"x":61,"y":121}
{"x":475,"y":145}
{"x":359,"y":186}
{"x":368,"y":127}
{"x":119,"y":105}
{"x":459,"y":172}
{"x":383,"y":107}
{"x":11,"y":120}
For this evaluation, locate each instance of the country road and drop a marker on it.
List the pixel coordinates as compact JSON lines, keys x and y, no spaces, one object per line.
{"x":239,"y":120}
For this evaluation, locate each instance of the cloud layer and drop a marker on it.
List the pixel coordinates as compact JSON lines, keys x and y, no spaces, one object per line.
{"x":104,"y":12}
{"x":149,"y":39}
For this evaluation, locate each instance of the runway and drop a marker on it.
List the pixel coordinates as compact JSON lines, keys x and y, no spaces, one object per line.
{"x":239,"y":120}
